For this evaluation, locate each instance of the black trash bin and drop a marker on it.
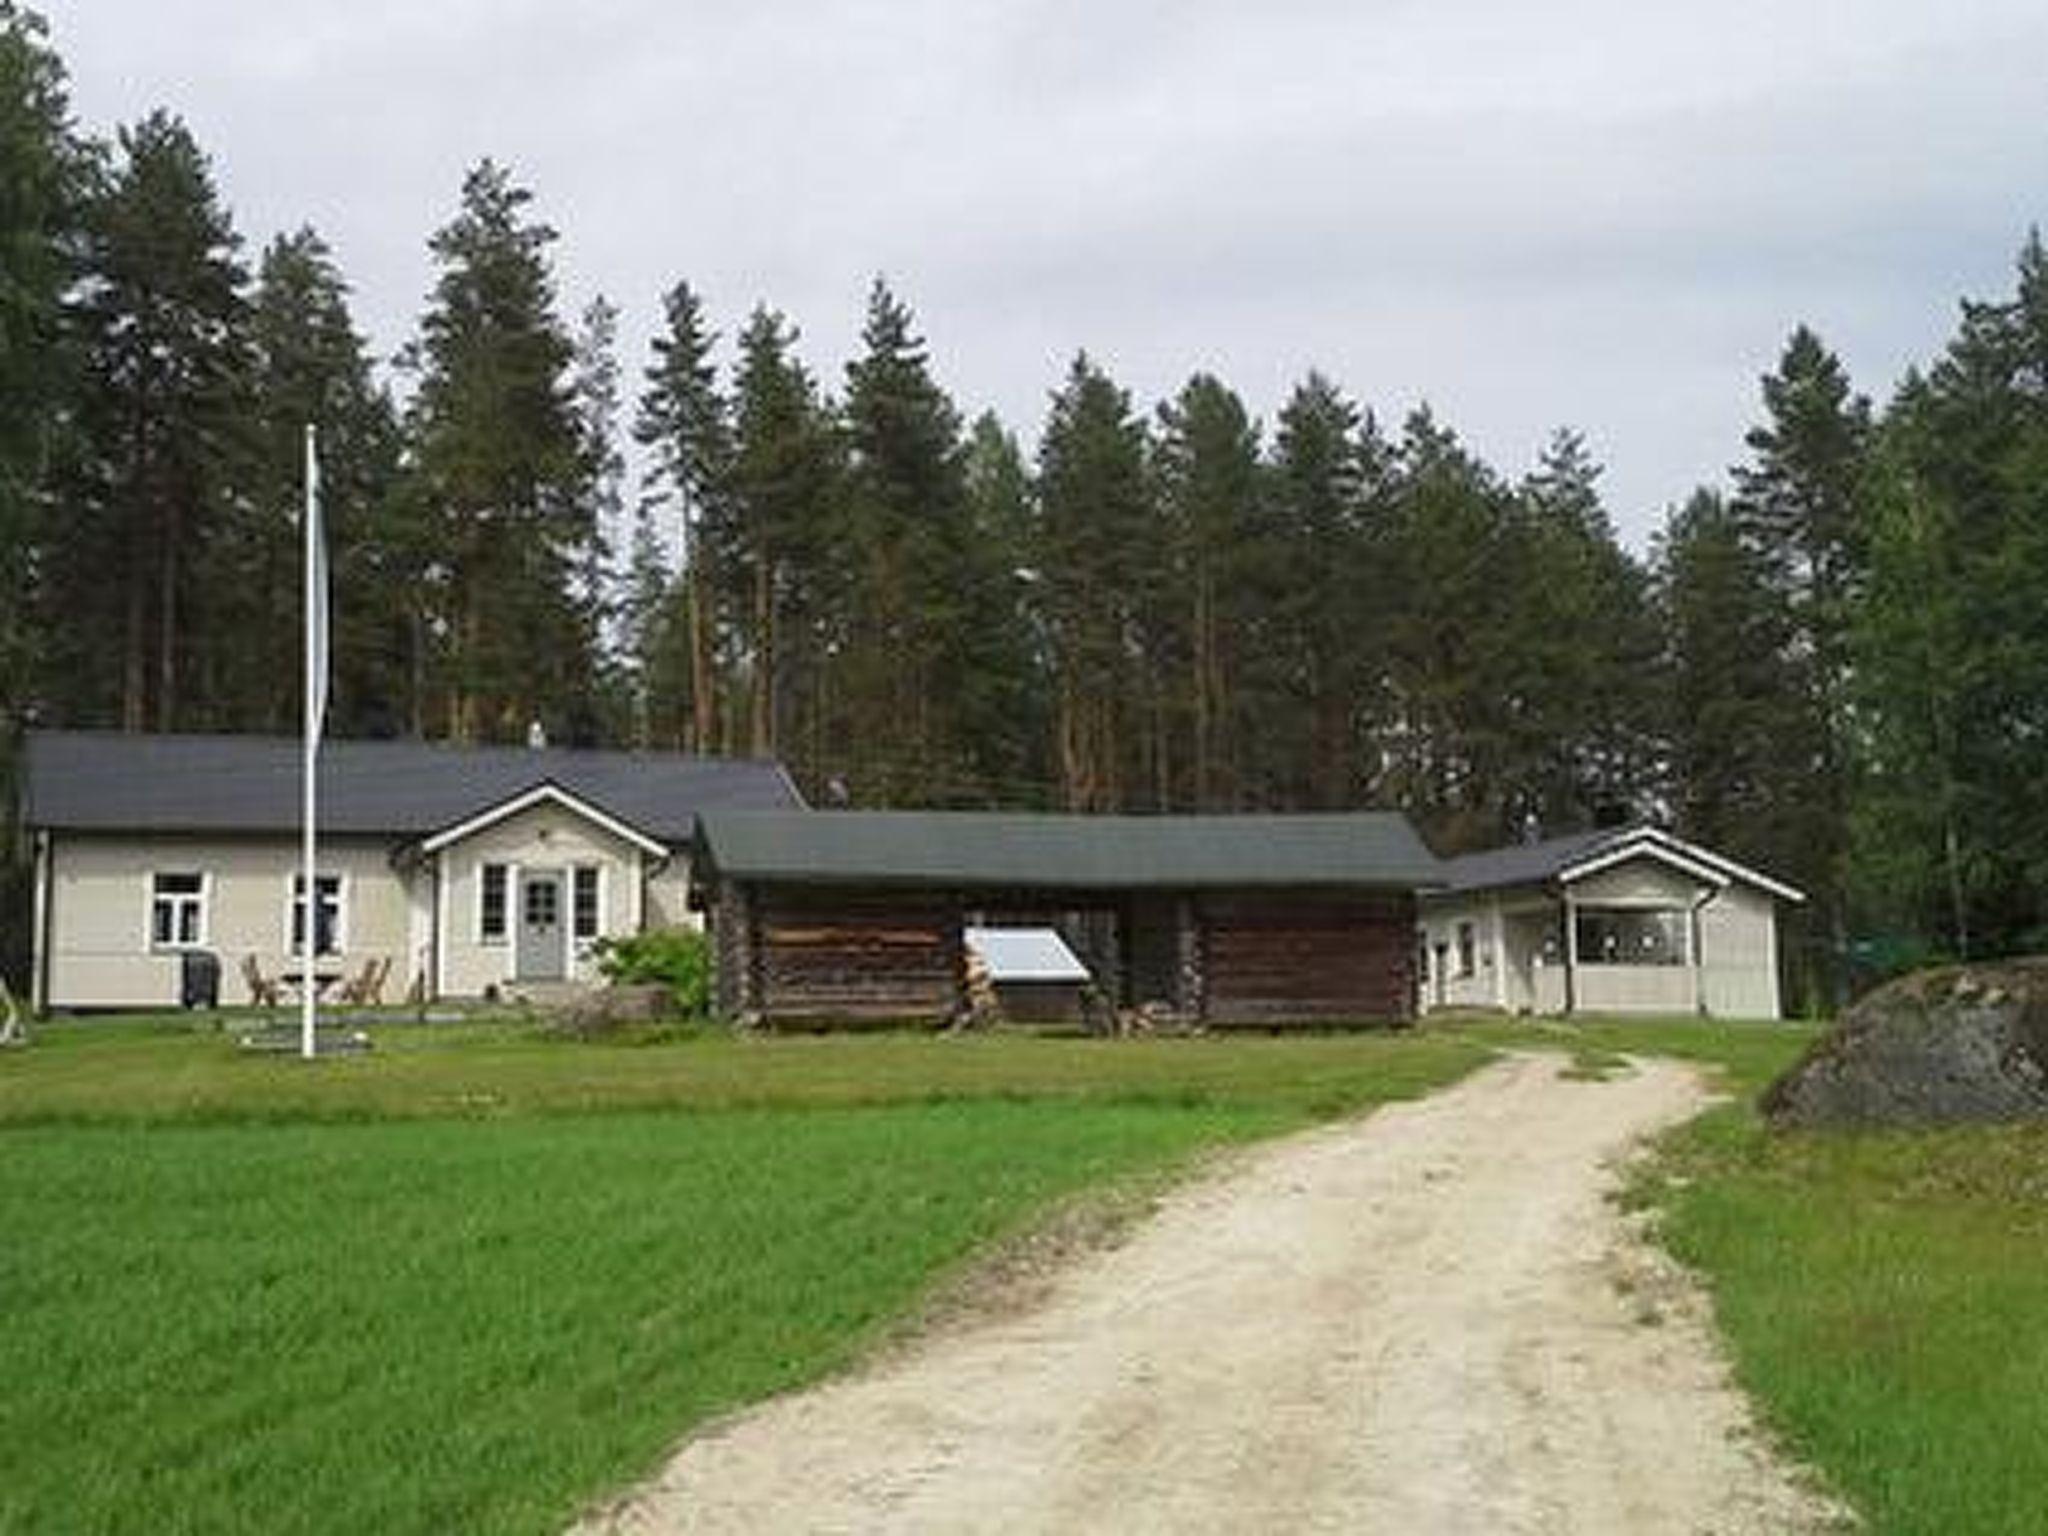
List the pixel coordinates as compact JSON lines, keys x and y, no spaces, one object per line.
{"x":199,"y":979}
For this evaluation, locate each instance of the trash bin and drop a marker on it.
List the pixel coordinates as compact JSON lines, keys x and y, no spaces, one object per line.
{"x":199,"y":979}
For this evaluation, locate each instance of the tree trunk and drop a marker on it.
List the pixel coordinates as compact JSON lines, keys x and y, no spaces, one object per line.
{"x":703,"y":684}
{"x":167,"y":625}
{"x":134,"y":660}
{"x":1204,"y":667}
{"x":763,"y":742}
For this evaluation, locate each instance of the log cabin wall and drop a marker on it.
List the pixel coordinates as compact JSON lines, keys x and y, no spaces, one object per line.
{"x":1307,"y":958}
{"x":824,"y":955}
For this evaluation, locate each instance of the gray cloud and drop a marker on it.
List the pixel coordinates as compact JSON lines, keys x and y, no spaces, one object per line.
{"x":1597,"y":213}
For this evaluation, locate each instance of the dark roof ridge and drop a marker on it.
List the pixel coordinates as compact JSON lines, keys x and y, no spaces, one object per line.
{"x":394,"y":787}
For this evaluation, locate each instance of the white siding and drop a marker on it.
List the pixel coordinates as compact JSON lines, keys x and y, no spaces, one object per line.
{"x":100,"y":950}
{"x":1639,"y":882}
{"x":1738,"y":954}
{"x":1482,"y":988}
{"x":668,"y":897}
{"x":1634,"y":988}
{"x":545,"y":837}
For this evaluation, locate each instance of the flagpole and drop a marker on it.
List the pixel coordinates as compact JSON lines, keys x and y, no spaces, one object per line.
{"x":309,"y":899}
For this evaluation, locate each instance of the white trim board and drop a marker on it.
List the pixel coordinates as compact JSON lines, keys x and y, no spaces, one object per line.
{"x":526,"y":800}
{"x":1729,"y":867}
{"x":1641,"y":847}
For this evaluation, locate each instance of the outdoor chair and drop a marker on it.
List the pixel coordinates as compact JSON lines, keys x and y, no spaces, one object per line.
{"x":367,"y":985}
{"x":262,"y":989}
{"x":353,"y":987}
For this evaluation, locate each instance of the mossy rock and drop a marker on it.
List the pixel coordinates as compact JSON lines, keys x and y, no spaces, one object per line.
{"x":611,"y":1009}
{"x":1965,"y":1043}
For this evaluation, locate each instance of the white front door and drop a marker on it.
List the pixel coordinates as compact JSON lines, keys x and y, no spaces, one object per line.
{"x":542,"y":950}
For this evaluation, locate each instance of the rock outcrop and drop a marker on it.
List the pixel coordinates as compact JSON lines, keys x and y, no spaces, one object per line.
{"x":1967,"y":1043}
{"x":605,"y":1010}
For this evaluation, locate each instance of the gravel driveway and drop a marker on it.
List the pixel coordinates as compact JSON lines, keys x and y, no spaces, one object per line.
{"x":1429,"y":1320}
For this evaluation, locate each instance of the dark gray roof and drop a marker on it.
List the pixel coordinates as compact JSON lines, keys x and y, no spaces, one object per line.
{"x":997,"y":849}
{"x":114,"y":781}
{"x":1527,"y":863}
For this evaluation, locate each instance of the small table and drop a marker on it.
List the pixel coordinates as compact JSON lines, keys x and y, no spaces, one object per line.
{"x":322,"y":980}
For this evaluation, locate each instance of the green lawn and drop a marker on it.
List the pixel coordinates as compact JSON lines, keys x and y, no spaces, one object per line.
{"x":1884,"y":1297}
{"x":169,"y":1070}
{"x":475,"y":1278}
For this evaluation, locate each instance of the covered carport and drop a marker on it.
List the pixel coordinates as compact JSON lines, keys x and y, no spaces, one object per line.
{"x":832,"y":917}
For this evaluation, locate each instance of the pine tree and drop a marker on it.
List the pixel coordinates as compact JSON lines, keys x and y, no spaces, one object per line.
{"x":1008,"y":708}
{"x":499,"y":473}
{"x":1950,"y":647}
{"x":1210,"y":486}
{"x":685,"y":423}
{"x":910,"y":626}
{"x":162,"y":329}
{"x":1321,"y":579}
{"x":308,"y":366}
{"x":1099,"y":562}
{"x":1448,"y":743}
{"x":1581,"y":661}
{"x":1799,"y":501}
{"x":42,"y":170}
{"x":43,"y":173}
{"x":1742,"y":738}
{"x":783,"y":574}
{"x":654,"y":636}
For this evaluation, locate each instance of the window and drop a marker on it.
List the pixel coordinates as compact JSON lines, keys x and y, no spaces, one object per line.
{"x":177,"y":911}
{"x":584,"y":900}
{"x":490,"y":911}
{"x":543,"y":904}
{"x":1631,"y":936}
{"x":327,"y":935}
{"x":1467,"y":963}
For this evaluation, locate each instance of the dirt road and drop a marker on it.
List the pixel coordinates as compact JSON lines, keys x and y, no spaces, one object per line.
{"x":1428,"y":1321}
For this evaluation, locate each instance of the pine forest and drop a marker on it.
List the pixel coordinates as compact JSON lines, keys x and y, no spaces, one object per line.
{"x":1835,"y":669}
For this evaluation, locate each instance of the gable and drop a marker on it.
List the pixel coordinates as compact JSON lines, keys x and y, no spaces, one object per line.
{"x":541,"y":806}
{"x":1641,"y":878}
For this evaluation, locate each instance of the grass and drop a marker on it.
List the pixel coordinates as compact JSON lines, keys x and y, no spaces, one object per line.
{"x":475,"y":1278}
{"x":1881,"y":1292}
{"x":165,"y":1070}
{"x":1882,"y":1295}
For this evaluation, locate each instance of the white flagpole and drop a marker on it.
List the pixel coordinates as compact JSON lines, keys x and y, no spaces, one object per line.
{"x":309,"y":904}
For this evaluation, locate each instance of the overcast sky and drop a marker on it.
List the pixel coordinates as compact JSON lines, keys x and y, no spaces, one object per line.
{"x":1596,"y":213}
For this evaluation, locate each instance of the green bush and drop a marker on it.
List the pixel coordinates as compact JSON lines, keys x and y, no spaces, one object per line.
{"x":677,"y":958}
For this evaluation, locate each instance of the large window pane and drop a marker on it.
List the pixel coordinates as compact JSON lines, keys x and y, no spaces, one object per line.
{"x":327,"y":914}
{"x":490,"y":920}
{"x":1631,"y":936}
{"x":177,"y":910}
{"x":586,"y":901}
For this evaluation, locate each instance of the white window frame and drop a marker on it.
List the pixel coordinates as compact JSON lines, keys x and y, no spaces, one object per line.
{"x":203,"y":897}
{"x":505,"y":916}
{"x":291,"y":901}
{"x":1678,"y":917}
{"x":583,"y":941}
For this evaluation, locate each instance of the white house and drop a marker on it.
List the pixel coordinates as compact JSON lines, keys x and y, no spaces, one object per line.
{"x":1615,"y":921}
{"x":466,"y":869}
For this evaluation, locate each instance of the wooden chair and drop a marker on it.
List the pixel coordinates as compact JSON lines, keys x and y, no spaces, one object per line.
{"x":351,"y":989}
{"x":262,"y":989}
{"x":367,"y":985}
